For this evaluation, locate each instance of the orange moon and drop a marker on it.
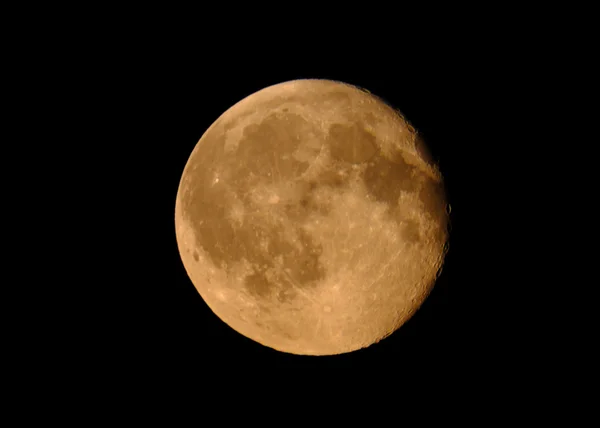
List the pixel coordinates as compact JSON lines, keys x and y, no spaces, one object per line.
{"x":311,"y":219}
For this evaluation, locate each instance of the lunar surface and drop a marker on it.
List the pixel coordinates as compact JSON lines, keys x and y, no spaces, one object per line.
{"x":311,"y":219}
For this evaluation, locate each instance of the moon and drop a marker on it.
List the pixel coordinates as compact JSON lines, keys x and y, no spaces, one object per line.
{"x":311,"y":218}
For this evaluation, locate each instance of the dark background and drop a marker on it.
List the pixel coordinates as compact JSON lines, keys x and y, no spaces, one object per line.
{"x":156,"y":104}
{"x":111,"y":103}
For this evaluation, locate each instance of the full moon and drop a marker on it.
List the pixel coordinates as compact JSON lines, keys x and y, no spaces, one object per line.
{"x":311,"y":218}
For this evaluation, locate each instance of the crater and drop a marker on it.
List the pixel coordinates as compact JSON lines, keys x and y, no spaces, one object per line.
{"x":351,"y":143}
{"x":286,"y":295}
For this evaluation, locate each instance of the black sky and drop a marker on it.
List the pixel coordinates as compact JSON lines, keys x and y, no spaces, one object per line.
{"x":160,"y":101}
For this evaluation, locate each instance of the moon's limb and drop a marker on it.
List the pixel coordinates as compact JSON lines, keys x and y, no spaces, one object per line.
{"x":310,"y":218}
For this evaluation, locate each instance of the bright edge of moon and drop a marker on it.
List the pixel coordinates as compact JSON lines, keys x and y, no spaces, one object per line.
{"x":311,"y":218}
